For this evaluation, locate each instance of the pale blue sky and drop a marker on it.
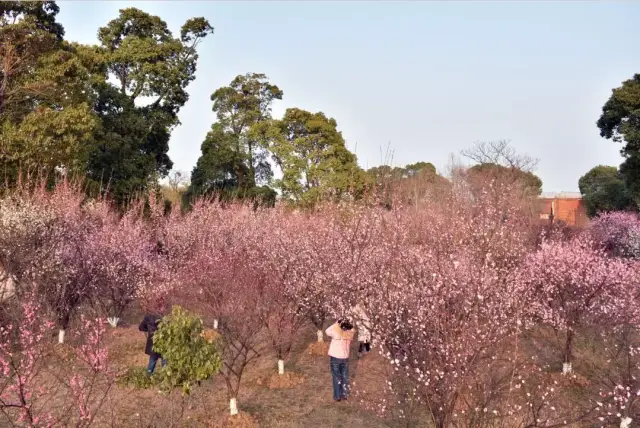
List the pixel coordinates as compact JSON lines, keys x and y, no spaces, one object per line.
{"x":429,"y":77}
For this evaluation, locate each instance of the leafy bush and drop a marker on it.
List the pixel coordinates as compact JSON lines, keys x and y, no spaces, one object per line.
{"x":191,"y":355}
{"x":138,"y":377}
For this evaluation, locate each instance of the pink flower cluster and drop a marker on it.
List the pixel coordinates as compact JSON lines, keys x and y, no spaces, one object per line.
{"x":618,"y":233}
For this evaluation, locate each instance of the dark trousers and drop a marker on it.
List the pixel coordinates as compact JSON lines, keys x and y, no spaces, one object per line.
{"x":340,"y":375}
{"x":153,"y":359}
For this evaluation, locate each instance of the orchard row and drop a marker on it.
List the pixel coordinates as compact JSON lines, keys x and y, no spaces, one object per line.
{"x":464,"y":294}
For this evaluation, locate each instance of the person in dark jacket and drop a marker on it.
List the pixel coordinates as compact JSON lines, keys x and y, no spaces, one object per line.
{"x":149,"y":325}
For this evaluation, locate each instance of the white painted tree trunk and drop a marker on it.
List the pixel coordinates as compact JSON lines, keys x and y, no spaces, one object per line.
{"x":215,"y":324}
{"x":61,"y":334}
{"x":233,"y":406}
{"x":280,"y":367}
{"x":320,"y":336}
{"x":113,"y":321}
{"x":625,"y":422}
{"x":566,"y":368}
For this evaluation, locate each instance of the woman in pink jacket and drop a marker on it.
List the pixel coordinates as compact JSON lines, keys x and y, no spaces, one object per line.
{"x":341,"y":334}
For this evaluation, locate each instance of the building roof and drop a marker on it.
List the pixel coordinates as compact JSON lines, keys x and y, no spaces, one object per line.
{"x":561,"y":195}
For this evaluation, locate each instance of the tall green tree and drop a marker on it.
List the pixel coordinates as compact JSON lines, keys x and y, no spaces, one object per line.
{"x":46,"y":120}
{"x":385,"y":173}
{"x":530,"y":182}
{"x":42,"y":14}
{"x":603,"y":189}
{"x":151,"y":70}
{"x":234,"y":160}
{"x":314,"y":160}
{"x":418,"y":168}
{"x":409,"y":184}
{"x":620,"y":122}
{"x":28,"y":31}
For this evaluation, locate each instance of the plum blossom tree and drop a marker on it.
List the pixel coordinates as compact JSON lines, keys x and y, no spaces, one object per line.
{"x":19,"y":368}
{"x":241,"y":340}
{"x":124,"y":258}
{"x":281,"y":318}
{"x":311,"y":264}
{"x":617,"y":375}
{"x":281,"y":315}
{"x":187,"y":245}
{"x":232,"y":292}
{"x":568,"y":285}
{"x":208,"y":249}
{"x":618,"y":233}
{"x":435,"y":284}
{"x":329,"y":251}
{"x":23,"y":226}
{"x":41,"y":388}
{"x":43,"y":247}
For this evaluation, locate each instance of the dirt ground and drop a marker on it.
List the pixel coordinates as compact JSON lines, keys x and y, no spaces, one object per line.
{"x":307,"y":404}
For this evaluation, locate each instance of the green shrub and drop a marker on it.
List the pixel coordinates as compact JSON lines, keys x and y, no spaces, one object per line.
{"x":191,"y":357}
{"x":138,"y":377}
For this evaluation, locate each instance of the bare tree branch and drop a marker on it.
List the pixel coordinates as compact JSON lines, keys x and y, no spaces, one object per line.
{"x":501,"y":153}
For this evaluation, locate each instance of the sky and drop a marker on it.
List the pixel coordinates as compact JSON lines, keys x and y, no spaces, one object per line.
{"x":426,"y":79}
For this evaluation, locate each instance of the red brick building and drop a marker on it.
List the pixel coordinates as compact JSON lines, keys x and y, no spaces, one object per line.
{"x":565,"y":206}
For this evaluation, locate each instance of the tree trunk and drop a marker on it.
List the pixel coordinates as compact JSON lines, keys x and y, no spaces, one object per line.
{"x":566,"y":366}
{"x":113,"y":321}
{"x":63,"y":324}
{"x":215,"y":324}
{"x":233,"y":406}
{"x":625,"y":422}
{"x":320,"y":336}
{"x":280,"y":367}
